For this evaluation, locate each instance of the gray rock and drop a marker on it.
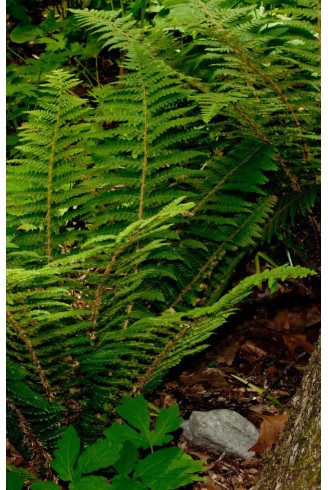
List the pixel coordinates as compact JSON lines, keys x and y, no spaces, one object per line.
{"x":221,"y":431}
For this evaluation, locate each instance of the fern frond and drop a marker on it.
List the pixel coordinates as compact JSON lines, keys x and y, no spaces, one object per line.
{"x":53,"y":161}
{"x":193,"y":333}
{"x":35,"y":407}
{"x":286,"y":211}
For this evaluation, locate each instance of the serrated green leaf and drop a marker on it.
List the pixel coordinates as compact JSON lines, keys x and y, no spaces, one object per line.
{"x":129,"y":456}
{"x":90,"y":483}
{"x":66,"y":454}
{"x":135,"y":412}
{"x":121,"y":432}
{"x":101,"y":454}
{"x":121,"y":482}
{"x":168,"y":420}
{"x":168,"y":469}
{"x":14,"y":481}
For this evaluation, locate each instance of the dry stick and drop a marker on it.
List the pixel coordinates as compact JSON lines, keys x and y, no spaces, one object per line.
{"x":31,"y":441}
{"x":42,"y":376}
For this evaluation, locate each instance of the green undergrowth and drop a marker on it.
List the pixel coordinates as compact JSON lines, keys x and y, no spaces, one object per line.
{"x":131,"y":454}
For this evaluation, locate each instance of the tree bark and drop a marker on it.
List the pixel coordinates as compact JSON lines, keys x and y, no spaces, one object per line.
{"x":295,"y":462}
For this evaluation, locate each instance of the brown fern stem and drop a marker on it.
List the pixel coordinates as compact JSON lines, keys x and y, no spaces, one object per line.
{"x":158,"y":361}
{"x":145,"y":152}
{"x":219,"y":184}
{"x":44,"y":382}
{"x":293,"y":180}
{"x":31,"y":441}
{"x":143,"y":174}
{"x":211,"y":263}
{"x":106,"y":274}
{"x":101,"y":287}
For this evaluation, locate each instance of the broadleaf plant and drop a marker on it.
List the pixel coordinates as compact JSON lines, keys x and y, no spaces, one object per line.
{"x":167,"y":468}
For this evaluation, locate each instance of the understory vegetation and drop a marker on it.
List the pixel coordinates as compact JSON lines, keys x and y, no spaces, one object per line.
{"x":153,"y":148}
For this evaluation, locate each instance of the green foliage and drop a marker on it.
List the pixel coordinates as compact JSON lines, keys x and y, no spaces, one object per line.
{"x":133,"y":194}
{"x":14,"y":481}
{"x":36,"y":416}
{"x":50,"y":157}
{"x":163,"y":469}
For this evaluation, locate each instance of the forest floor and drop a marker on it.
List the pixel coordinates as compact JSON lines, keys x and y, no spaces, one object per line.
{"x":267,"y":345}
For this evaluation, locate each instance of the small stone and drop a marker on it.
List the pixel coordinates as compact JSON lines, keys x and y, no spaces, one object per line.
{"x":221,"y":431}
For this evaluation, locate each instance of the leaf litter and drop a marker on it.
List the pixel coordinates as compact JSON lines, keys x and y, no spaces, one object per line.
{"x":267,"y":345}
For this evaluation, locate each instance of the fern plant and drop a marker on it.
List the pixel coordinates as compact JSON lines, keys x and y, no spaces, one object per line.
{"x":129,"y":212}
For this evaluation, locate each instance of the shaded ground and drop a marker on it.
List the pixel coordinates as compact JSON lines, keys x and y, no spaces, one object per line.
{"x":268,"y":346}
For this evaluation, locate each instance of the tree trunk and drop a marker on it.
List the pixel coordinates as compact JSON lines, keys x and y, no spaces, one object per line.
{"x":295,"y":462}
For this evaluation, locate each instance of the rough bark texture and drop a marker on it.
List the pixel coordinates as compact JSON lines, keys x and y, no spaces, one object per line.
{"x":295,"y":463}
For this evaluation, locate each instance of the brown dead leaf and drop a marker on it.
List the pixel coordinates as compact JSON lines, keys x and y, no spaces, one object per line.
{"x":15,"y":461}
{"x":271,"y":372}
{"x":253,"y":351}
{"x":280,"y":321}
{"x":294,"y":340}
{"x":228,"y":350}
{"x":270,"y":430}
{"x":296,"y":320}
{"x":211,"y":484}
{"x":210,"y":377}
